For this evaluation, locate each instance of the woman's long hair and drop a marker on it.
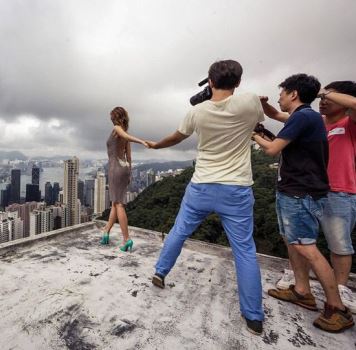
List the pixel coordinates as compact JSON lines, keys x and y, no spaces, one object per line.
{"x":120,"y":117}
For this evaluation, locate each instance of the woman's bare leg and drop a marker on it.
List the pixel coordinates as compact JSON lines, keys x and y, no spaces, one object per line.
{"x":121,"y":214}
{"x":111,"y":221}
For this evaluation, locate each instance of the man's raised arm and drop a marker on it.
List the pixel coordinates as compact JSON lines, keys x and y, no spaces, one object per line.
{"x":344,"y":100}
{"x":272,"y":112}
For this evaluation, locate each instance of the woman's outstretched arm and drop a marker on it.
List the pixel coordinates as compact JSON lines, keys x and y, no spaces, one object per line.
{"x":122,"y":133}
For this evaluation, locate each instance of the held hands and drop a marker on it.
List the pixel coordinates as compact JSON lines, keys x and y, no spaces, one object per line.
{"x":145,"y":143}
{"x":152,"y":144}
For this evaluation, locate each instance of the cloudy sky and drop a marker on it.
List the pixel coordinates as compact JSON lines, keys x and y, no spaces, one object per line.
{"x":64,"y":64}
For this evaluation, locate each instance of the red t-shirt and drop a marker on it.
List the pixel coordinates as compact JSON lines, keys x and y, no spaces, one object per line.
{"x":342,"y":155}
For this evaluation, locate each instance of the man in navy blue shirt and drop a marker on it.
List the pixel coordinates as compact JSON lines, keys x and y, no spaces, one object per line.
{"x":302,"y":187}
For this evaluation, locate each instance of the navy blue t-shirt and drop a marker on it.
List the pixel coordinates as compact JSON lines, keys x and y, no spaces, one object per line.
{"x":303,"y":163}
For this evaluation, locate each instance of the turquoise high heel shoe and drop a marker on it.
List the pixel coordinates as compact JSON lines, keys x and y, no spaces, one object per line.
{"x":105,"y":239}
{"x":127,"y":246}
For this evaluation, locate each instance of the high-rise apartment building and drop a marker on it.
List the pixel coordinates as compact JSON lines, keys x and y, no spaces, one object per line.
{"x":41,"y":221}
{"x":99,"y":193}
{"x":150,"y":177}
{"x":130,"y":196}
{"x":17,"y":225}
{"x":5,"y":228}
{"x":23,"y":211}
{"x":11,"y":227}
{"x":65,"y":216}
{"x":70,"y":189}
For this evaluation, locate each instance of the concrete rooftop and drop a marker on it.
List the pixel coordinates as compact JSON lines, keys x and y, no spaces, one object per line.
{"x":65,"y":291}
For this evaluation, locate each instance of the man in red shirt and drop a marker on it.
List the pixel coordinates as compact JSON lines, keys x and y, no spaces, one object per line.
{"x":338,"y":105}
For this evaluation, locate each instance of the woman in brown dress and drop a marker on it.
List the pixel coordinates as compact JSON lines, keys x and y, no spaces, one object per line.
{"x":119,"y":153}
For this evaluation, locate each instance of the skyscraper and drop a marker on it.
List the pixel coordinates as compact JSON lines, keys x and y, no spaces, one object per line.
{"x":35,"y":175}
{"x":81,"y":191}
{"x":89,"y":192}
{"x":5,"y":196}
{"x":48,"y":198}
{"x":99,"y":193}
{"x":70,"y":189}
{"x":33,"y":193}
{"x":55,"y":192}
{"x":15,"y":185}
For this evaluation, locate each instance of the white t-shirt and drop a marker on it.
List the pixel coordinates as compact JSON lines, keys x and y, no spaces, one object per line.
{"x":224,"y":131}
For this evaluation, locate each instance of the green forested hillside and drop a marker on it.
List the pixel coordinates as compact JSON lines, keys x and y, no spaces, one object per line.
{"x":157,"y":206}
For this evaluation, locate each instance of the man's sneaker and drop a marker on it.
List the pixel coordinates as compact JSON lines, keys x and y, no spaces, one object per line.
{"x":348,"y":298}
{"x":286,"y":280}
{"x":334,"y":320}
{"x":254,"y":326}
{"x":307,"y":301}
{"x":158,"y":280}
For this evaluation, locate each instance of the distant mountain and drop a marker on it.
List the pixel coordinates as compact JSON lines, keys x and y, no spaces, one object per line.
{"x":53,"y":158}
{"x":164,"y":166}
{"x":12,"y":155}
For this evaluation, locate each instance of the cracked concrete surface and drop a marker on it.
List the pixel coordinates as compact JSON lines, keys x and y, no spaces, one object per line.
{"x":68,"y":292}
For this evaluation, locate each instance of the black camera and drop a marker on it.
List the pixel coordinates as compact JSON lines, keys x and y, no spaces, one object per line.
{"x":260,"y":129}
{"x":202,"y":95}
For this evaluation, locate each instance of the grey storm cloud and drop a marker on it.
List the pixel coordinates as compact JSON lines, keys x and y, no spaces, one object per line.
{"x":73,"y":61}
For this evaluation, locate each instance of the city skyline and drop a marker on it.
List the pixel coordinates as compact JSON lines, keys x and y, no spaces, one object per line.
{"x":75,"y":202}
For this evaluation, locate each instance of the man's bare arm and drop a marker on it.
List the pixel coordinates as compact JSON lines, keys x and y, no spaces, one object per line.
{"x":272,"y":112}
{"x":168,"y":141}
{"x":272,"y":148}
{"x":344,"y":100}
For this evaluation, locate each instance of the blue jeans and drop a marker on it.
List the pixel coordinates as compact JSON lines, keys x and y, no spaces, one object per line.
{"x":234,"y":205}
{"x":338,"y":221}
{"x":299,"y":217}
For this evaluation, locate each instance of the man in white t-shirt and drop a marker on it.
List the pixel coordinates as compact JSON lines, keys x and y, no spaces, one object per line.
{"x":221,"y":182}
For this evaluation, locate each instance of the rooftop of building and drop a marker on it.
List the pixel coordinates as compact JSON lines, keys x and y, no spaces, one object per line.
{"x":62,"y":290}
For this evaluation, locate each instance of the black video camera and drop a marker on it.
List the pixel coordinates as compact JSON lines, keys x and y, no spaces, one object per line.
{"x":202,"y":95}
{"x":260,"y":129}
{"x":207,"y":93}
